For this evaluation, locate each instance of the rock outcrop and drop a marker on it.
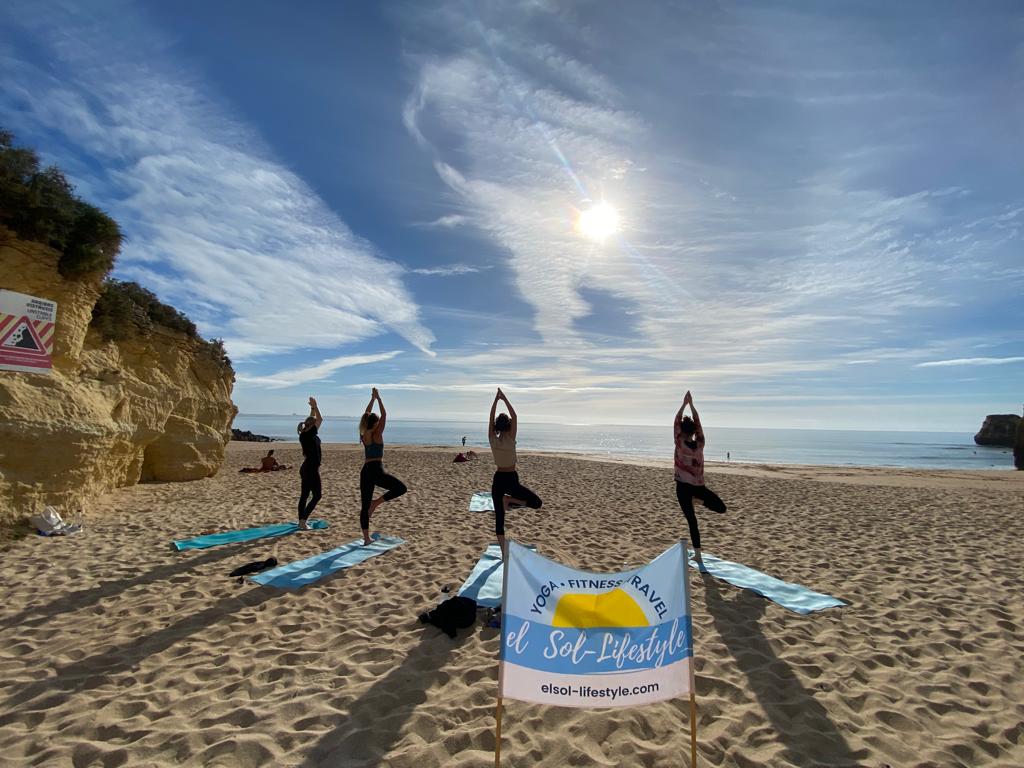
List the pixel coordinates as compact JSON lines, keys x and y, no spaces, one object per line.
{"x":244,"y":435}
{"x":155,"y":406}
{"x":999,"y":429}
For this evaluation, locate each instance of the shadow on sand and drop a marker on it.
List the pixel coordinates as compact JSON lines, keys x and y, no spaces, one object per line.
{"x":808,"y":737}
{"x":35,"y":615}
{"x":102,"y":668}
{"x":372,"y":724}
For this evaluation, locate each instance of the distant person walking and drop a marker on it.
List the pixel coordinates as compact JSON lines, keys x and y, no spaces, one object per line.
{"x":506,"y":490}
{"x":309,"y":472}
{"x":372,"y":475}
{"x":689,"y":472}
{"x":463,"y":441}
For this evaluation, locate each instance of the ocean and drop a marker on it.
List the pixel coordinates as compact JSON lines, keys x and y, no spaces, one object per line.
{"x":924,"y":450}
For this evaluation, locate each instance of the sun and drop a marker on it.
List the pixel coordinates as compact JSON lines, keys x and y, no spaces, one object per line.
{"x":598,"y":222}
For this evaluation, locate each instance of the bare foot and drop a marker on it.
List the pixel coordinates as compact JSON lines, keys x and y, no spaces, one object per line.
{"x":303,"y":526}
{"x":374,"y":504}
{"x":700,"y":561}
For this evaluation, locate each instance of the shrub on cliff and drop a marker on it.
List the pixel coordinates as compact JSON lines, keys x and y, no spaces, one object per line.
{"x":126,"y":310}
{"x":40,"y":205}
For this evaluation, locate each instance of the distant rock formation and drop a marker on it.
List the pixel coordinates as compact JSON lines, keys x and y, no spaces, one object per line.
{"x":1018,"y":450}
{"x":999,"y":429}
{"x":155,"y":405}
{"x":250,"y":437}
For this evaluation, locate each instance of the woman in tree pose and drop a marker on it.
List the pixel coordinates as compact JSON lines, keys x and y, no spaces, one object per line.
{"x":309,"y":472}
{"x":689,"y":471}
{"x":371,"y":435}
{"x":506,"y":490}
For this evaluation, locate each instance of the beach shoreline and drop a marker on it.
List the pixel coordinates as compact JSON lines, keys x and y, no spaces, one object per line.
{"x":117,"y":650}
{"x":839,"y":473}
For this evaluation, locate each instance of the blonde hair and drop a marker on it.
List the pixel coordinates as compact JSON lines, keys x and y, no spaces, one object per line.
{"x":364,"y":423}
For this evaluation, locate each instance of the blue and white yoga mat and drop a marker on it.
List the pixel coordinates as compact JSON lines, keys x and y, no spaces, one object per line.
{"x":484,"y":581}
{"x":481,"y":502}
{"x":312,"y":569}
{"x":792,"y":596}
{"x":246,"y":534}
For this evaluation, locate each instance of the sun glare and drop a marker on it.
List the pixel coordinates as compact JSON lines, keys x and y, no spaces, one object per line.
{"x":598,"y":222}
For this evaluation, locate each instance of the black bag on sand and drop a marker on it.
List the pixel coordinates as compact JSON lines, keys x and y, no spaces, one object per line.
{"x":255,"y":567}
{"x":453,"y":614}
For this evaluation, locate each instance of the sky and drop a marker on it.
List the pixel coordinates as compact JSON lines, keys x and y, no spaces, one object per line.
{"x":808,"y":214}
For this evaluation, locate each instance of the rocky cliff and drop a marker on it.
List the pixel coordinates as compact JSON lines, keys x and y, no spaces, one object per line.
{"x":998,"y":429}
{"x":155,"y":405}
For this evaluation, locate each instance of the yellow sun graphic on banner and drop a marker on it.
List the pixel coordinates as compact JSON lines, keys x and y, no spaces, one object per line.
{"x":607,"y":609}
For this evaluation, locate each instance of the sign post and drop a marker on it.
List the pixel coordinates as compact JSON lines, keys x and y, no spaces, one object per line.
{"x":27,"y":328}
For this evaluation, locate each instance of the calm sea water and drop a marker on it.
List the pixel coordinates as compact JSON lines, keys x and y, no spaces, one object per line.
{"x":927,"y":450}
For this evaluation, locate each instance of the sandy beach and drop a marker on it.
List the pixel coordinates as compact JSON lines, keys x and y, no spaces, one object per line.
{"x":117,"y":650}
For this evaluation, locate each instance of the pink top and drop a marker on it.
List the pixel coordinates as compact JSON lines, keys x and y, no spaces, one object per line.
{"x":689,"y":461}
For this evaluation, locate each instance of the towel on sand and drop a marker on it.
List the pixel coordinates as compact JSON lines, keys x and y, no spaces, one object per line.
{"x":485,"y":580}
{"x":481,"y":502}
{"x":792,"y":596}
{"x":246,"y":534}
{"x":303,"y":572}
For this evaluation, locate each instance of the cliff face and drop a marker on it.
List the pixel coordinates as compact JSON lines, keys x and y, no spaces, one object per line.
{"x":153,"y":407}
{"x":998,"y":429}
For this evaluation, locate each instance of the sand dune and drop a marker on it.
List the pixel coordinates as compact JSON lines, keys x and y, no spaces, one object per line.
{"x":116,"y":650}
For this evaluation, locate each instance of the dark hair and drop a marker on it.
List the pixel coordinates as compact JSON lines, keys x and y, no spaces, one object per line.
{"x":503,"y":423}
{"x":688,"y":426}
{"x":270,"y":452}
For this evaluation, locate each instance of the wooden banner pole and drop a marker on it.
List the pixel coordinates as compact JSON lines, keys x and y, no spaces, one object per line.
{"x":497,"y":736}
{"x":693,"y":730}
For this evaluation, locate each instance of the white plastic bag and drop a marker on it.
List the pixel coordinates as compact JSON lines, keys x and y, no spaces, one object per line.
{"x":50,"y":523}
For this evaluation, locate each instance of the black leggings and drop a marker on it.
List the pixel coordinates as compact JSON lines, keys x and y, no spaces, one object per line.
{"x":310,"y":475}
{"x":507,"y":484}
{"x":371,"y":476}
{"x":686,"y":493}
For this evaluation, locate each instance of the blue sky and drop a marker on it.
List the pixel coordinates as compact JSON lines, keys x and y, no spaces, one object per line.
{"x":820,"y":205}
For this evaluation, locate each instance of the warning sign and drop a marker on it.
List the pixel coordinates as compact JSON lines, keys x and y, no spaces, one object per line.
{"x":27,"y":326}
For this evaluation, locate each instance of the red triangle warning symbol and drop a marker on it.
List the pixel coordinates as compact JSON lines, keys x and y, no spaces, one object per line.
{"x":22,"y":336}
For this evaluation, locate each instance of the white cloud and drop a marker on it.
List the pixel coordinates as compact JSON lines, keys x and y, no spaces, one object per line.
{"x":318,"y":372}
{"x":449,"y":270}
{"x":213,"y":220}
{"x":971,"y":361}
{"x":743,"y":263}
{"x":450,"y":221}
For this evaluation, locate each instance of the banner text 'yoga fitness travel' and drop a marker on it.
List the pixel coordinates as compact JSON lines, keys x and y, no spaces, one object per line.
{"x":573,"y":638}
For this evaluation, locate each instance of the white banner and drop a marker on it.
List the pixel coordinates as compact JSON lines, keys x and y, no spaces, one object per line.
{"x":572,"y":638}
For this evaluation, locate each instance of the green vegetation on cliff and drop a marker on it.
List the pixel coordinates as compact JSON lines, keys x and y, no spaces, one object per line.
{"x":40,"y":205}
{"x":126,"y":310}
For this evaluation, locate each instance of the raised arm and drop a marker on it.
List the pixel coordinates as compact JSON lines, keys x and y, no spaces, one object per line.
{"x":511,"y":413}
{"x":314,"y":412}
{"x":379,"y":429}
{"x":494,"y":413}
{"x":696,"y":422}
